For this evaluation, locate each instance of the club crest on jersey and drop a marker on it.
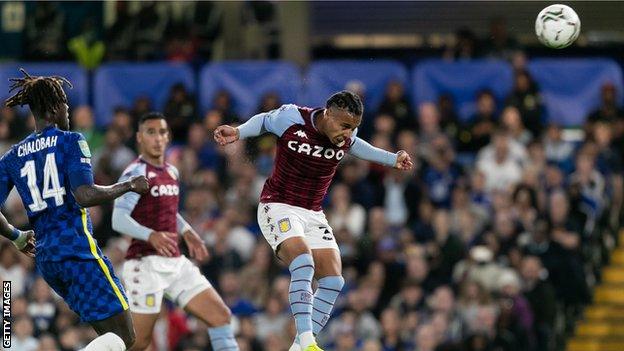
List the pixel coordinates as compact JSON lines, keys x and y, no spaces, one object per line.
{"x":284,"y":225}
{"x":151,"y":175}
{"x":301,"y":133}
{"x":84,"y":148}
{"x":315,"y":150}
{"x":150,"y":300}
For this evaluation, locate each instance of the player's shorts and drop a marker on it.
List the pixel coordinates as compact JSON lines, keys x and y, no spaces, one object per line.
{"x":279,"y":222}
{"x":148,"y":279}
{"x":89,"y":287}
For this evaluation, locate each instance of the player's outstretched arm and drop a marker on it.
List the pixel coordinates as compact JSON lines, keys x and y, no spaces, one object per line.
{"x":365,"y":151}
{"x":276,"y":122}
{"x":88,"y":195}
{"x":23,"y":240}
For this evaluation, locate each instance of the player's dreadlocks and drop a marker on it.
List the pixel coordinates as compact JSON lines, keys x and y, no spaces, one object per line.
{"x":44,"y":95}
{"x":346,"y":100}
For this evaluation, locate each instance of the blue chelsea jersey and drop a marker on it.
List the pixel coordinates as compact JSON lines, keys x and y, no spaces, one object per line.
{"x":45,"y":168}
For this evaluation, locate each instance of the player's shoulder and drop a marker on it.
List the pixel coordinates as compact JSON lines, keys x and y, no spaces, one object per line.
{"x":136,"y":167}
{"x":291,"y":112}
{"x":172,"y":170}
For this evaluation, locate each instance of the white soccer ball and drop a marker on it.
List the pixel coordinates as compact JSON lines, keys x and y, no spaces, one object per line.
{"x":557,"y":26}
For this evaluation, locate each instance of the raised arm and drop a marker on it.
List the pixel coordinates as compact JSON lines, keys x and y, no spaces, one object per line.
{"x":361,"y":149}
{"x":276,"y":122}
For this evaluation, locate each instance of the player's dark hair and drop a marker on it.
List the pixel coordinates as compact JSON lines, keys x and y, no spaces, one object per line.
{"x":346,"y":100}
{"x":151,"y":115}
{"x":44,"y":95}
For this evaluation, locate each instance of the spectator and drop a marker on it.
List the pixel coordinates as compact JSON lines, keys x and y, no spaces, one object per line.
{"x":527,"y":99}
{"x":180,"y":111}
{"x":207,"y":22}
{"x":41,"y":308}
{"x":23,"y":339}
{"x":610,"y":110}
{"x":149,"y":30}
{"x":511,"y":120}
{"x":449,"y":122}
{"x":272,"y":320}
{"x":501,"y":171}
{"x":344,"y":213}
{"x":44,"y":33}
{"x":83,"y":121}
{"x":222,"y":102}
{"x":557,"y":149}
{"x":541,"y":296}
{"x":466,"y":46}
{"x":112,"y":158}
{"x":499,"y":43}
{"x":120,"y":36}
{"x":395,"y":104}
{"x":476,"y":134}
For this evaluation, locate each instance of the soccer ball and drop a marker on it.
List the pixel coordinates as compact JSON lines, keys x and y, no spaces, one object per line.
{"x":557,"y":26}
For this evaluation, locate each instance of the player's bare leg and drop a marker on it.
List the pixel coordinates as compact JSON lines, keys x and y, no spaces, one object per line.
{"x":328,"y":273}
{"x":116,"y":333}
{"x":294,"y":252}
{"x":210,"y":308}
{"x":144,"y":324}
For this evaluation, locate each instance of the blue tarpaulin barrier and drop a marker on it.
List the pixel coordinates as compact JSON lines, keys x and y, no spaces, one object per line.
{"x":119,"y":84}
{"x":327,"y":77}
{"x":462,"y":80}
{"x":247,"y":82}
{"x":74,"y":73}
{"x":571,"y":87}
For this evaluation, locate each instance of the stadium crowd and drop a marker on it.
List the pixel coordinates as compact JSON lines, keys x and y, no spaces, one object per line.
{"x":492,"y":243}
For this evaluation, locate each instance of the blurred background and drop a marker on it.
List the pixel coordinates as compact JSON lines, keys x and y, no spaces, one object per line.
{"x":504,"y":237}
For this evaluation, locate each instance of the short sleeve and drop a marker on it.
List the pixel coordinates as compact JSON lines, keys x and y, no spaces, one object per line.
{"x":78,"y":161}
{"x":129,"y":200}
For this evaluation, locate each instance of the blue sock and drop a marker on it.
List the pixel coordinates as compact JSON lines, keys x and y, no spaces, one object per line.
{"x":324,"y":299}
{"x":222,"y":338}
{"x":300,"y":294}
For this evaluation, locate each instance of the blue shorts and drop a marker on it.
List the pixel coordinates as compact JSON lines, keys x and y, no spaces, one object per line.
{"x":89,"y":287}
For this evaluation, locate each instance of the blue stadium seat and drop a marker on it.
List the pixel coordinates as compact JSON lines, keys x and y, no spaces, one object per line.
{"x":119,"y":84}
{"x":248,"y":82}
{"x":79,"y":95}
{"x":571,"y":87}
{"x":326,"y":77}
{"x":462,"y":80}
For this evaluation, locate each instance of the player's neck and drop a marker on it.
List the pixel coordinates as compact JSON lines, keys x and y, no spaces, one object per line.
{"x":154,"y":161}
{"x":41,"y":124}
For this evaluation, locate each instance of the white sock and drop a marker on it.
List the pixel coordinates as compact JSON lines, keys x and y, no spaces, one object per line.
{"x":106,"y":342}
{"x":306,"y":339}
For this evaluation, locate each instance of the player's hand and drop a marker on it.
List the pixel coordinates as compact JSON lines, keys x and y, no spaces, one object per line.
{"x":164,"y":242}
{"x":225,"y":134}
{"x":404,"y":161}
{"x":139,"y":184}
{"x":196,"y":246}
{"x":26,"y":243}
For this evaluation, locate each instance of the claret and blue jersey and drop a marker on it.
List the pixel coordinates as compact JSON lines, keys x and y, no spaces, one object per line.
{"x":45,"y":168}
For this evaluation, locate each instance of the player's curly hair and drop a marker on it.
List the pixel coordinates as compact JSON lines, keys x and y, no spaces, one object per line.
{"x":346,"y":100}
{"x":44,"y":95}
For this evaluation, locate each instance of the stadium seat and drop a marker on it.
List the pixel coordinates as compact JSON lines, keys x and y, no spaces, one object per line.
{"x":247,"y":82}
{"x":119,"y":84}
